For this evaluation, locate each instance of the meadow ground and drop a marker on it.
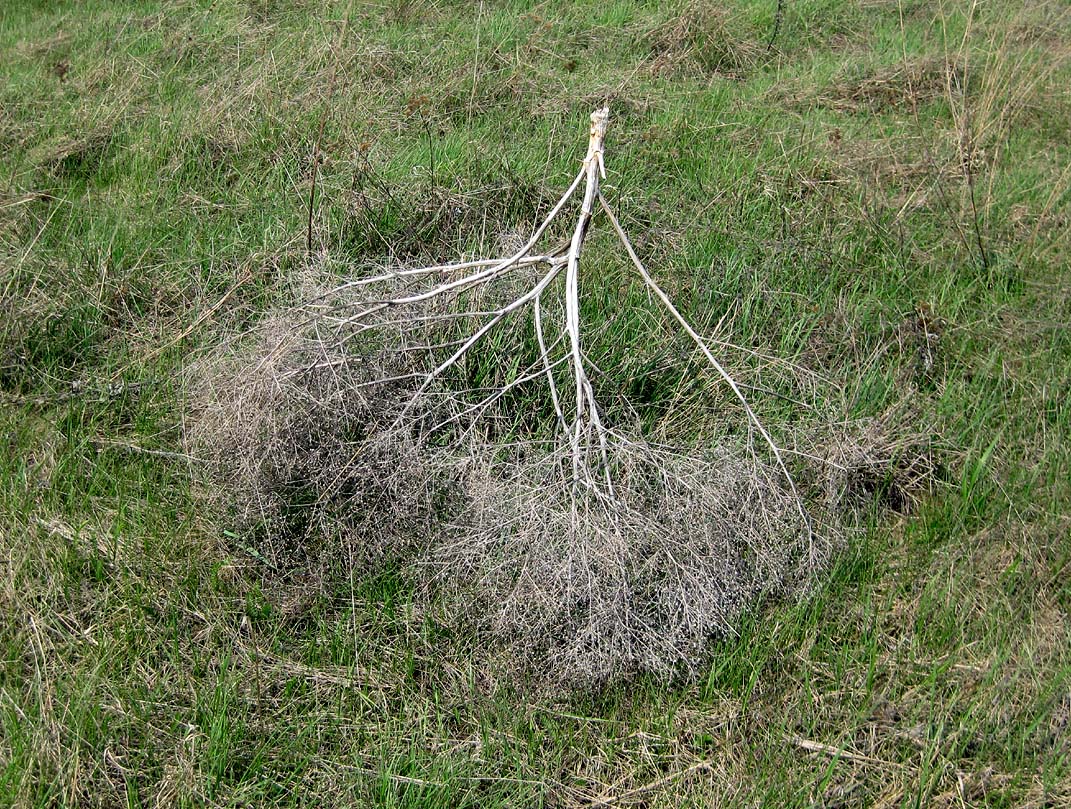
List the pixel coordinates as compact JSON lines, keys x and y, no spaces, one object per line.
{"x":877,"y":192}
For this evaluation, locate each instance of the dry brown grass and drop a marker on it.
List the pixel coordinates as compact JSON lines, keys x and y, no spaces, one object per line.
{"x":301,"y":443}
{"x":705,"y":40}
{"x":905,"y":85}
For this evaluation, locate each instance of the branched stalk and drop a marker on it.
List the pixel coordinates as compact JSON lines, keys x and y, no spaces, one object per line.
{"x":585,"y":437}
{"x":389,"y":414}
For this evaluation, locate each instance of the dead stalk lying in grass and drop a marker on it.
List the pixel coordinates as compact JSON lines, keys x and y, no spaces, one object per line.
{"x":586,"y":430}
{"x":591,"y":553}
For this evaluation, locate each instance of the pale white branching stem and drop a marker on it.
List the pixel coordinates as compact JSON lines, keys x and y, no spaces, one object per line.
{"x":709,"y":355}
{"x":537,"y":315}
{"x":437,"y":315}
{"x":441,"y":269}
{"x":585,"y":398}
{"x":497,"y":393}
{"x":483,"y":330}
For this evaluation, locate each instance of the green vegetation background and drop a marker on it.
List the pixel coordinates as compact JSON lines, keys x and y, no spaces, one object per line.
{"x":878,"y":191}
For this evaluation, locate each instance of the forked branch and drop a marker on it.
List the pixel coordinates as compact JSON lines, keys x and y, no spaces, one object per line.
{"x":444,"y":420}
{"x":588,"y":437}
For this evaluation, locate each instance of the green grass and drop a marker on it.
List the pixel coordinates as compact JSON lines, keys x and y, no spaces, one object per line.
{"x":155,"y":162}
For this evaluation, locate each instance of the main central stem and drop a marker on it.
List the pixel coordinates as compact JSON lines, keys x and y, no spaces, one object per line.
{"x":585,"y":398}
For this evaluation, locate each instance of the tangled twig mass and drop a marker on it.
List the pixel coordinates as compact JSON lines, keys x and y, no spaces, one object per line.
{"x":444,"y":420}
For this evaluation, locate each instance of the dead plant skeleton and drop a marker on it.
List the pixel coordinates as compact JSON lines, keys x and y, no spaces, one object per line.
{"x":588,"y":551}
